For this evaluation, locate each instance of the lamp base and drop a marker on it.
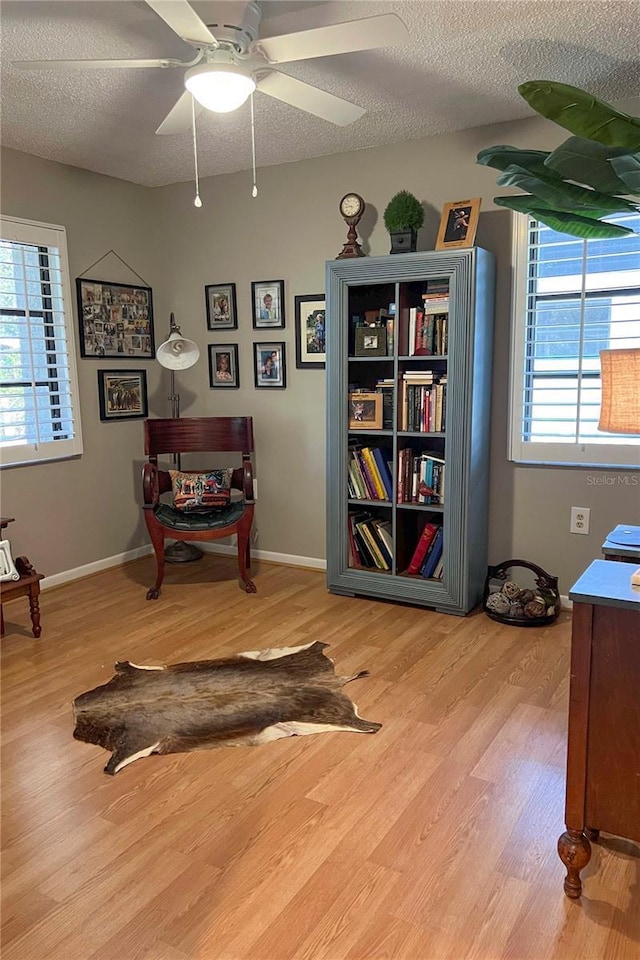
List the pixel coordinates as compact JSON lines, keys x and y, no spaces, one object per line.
{"x":182,"y":552}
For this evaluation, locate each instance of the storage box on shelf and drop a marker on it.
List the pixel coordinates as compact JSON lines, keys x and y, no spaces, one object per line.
{"x":407,"y":481}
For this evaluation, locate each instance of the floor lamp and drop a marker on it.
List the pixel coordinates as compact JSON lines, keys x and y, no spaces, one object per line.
{"x":178,"y":353}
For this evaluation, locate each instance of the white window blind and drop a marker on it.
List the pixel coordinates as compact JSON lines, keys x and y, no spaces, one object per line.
{"x":39,"y":409}
{"x":572,"y":298}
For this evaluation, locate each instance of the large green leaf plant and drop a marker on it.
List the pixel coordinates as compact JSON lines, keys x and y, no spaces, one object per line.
{"x":588,"y":177}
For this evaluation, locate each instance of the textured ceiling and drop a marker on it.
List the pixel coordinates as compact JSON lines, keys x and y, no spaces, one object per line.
{"x":460,"y":69}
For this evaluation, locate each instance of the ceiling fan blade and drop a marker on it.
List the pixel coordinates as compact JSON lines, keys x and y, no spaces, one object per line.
{"x":183,"y":20}
{"x":385,"y":30}
{"x":178,"y":120}
{"x":313,"y":100}
{"x":93,"y":64}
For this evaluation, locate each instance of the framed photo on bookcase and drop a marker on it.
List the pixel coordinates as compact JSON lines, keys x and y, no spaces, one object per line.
{"x":458,"y":224}
{"x":365,"y":411}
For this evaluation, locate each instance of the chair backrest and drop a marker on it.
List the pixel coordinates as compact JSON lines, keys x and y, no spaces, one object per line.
{"x":194,"y":434}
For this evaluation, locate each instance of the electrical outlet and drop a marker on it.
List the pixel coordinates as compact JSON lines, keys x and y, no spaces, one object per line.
{"x":580,"y":517}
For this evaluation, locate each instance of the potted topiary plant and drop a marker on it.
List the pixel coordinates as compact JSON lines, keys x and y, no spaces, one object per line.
{"x":403,"y":217}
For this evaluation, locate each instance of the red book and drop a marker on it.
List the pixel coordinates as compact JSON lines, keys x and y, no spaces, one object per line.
{"x":423,"y":544}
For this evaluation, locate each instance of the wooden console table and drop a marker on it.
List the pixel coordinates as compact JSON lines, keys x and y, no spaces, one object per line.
{"x":603,"y":759}
{"x":623,"y":543}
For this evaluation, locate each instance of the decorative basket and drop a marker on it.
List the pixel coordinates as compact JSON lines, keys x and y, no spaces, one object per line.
{"x":507,"y":601}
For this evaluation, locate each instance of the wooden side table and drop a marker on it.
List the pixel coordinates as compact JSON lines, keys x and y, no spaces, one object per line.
{"x":27,"y":586}
{"x":603,"y":757}
{"x":623,"y":544}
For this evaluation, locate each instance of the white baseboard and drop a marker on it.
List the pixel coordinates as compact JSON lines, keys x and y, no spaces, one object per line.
{"x":77,"y":573}
{"x":565,"y":603}
{"x":289,"y":560}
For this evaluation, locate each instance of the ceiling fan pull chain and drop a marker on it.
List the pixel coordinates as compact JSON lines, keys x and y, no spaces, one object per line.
{"x":197,"y":202}
{"x":254,"y":192}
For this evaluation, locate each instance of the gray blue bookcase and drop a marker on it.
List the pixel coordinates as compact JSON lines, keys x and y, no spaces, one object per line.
{"x":353,"y":288}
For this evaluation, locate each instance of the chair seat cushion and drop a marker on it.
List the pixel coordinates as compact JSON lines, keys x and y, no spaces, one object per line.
{"x":168,"y":516}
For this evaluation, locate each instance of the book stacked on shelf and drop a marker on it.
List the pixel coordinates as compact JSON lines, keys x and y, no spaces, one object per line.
{"x":386,"y":387}
{"x":369,"y":475}
{"x":427,"y":556}
{"x":427,"y":326}
{"x":423,"y":398}
{"x":421,"y":477}
{"x":369,"y":541}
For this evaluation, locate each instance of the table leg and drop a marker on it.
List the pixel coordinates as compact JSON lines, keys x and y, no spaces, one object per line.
{"x":575,"y":852}
{"x":34,"y":608}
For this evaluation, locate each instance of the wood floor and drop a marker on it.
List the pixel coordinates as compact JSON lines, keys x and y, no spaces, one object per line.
{"x":432,"y":840}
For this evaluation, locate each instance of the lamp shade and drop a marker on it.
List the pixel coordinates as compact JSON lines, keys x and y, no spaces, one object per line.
{"x":221,"y":87}
{"x":177,"y":353}
{"x":620,"y":376}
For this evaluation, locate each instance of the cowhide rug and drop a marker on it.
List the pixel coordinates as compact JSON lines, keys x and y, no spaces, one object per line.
{"x":249,"y":698}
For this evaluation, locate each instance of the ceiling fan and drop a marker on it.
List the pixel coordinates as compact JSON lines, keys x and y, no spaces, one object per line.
{"x":231,"y":61}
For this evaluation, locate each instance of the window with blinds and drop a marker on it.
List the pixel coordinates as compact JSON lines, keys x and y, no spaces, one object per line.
{"x":572,"y":298}
{"x":39,"y":409}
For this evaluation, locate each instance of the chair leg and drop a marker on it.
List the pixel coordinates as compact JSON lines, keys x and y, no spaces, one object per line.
{"x":247,"y":557}
{"x":244,"y":555}
{"x":243,"y":544}
{"x":157,"y":539}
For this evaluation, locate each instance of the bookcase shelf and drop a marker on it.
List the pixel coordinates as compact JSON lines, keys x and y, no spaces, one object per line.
{"x":437,"y":300}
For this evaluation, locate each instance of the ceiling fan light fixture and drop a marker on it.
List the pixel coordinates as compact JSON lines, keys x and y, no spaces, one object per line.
{"x":220,"y":87}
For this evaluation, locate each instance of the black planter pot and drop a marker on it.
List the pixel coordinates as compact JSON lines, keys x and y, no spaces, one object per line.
{"x":403,"y":241}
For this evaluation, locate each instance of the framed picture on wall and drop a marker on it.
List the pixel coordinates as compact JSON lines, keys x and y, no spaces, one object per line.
{"x":222,"y":311}
{"x":310,"y":331}
{"x":122,"y":394}
{"x":116,"y":320}
{"x":270,"y":364}
{"x":267,"y":297}
{"x":223,"y":365}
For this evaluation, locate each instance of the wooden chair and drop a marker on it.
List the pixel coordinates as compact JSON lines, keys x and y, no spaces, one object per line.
{"x":192,"y":435}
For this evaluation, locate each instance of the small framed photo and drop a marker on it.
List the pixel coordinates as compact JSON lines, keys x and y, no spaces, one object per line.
{"x":365,"y":411}
{"x":458,"y":224}
{"x":270,"y":364}
{"x":122,"y":394}
{"x":267,"y":297}
{"x":116,"y":320}
{"x":310,"y":331}
{"x":223,"y":365}
{"x":222,"y":310}
{"x":371,"y":341}
{"x":7,"y":566}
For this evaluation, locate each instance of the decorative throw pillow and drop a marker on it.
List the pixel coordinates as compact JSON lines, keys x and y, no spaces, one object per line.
{"x":201,"y":491}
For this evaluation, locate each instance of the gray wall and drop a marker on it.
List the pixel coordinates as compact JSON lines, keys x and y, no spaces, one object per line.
{"x":287,"y":233}
{"x":74,"y":512}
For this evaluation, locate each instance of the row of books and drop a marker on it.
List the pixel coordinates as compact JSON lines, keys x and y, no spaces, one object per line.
{"x":427,"y":559}
{"x":369,"y":476}
{"x":423,"y":398}
{"x":370,"y":541}
{"x":421,"y":477}
{"x":370,"y":546}
{"x":427,"y":334}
